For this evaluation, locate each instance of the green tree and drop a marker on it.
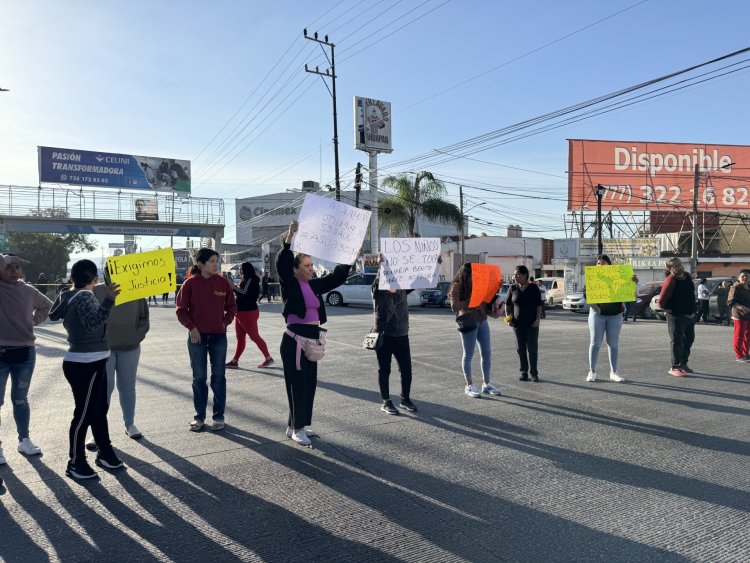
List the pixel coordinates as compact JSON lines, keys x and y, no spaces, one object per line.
{"x":415,"y":194}
{"x":46,"y":252}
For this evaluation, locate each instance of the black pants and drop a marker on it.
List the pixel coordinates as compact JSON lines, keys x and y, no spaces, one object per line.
{"x":398,"y":347}
{"x":703,"y":311}
{"x":527,"y":341}
{"x":682,"y":334}
{"x":89,"y":385}
{"x":300,"y":384}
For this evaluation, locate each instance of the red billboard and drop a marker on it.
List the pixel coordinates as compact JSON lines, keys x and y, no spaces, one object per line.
{"x":658,"y":176}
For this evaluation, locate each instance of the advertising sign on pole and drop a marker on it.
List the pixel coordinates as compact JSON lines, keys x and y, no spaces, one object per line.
{"x":113,"y":170}
{"x":657,"y":176}
{"x":142,"y":275}
{"x":146,"y":210}
{"x":609,"y":284}
{"x":372,"y":125}
{"x":409,"y":263}
{"x":330,"y":230}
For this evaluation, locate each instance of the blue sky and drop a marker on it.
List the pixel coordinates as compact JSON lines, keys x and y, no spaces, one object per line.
{"x":162,"y":78}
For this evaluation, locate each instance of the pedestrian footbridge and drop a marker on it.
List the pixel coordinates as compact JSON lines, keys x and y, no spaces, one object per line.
{"x":109,"y":212}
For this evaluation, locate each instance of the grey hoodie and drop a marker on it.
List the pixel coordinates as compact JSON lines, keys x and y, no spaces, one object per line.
{"x":83,"y":318}
{"x":128,"y":323}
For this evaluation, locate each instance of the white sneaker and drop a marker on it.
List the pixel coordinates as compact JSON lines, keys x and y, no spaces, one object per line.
{"x":301,"y":438}
{"x":217,"y":425}
{"x":133,"y":432}
{"x":490,"y":389}
{"x":471,"y":391}
{"x":614,"y":377}
{"x":308,"y":432}
{"x":591,"y":376}
{"x":26,"y":446}
{"x":2,"y":457}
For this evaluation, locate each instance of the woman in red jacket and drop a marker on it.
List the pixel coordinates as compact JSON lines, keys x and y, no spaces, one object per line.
{"x":206,"y":306}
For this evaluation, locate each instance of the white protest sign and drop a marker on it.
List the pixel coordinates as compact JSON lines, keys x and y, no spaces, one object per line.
{"x":330,"y":230}
{"x":409,"y":263}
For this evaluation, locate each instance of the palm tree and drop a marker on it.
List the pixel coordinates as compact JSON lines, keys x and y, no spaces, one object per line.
{"x":421,"y":193}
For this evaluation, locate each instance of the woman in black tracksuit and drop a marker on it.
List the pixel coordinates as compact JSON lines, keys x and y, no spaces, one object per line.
{"x":303,"y":312}
{"x":392,"y":321}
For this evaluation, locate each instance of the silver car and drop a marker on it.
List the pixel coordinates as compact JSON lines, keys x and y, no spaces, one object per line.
{"x":575,"y":302}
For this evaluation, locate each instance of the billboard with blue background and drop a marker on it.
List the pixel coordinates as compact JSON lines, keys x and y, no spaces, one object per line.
{"x":113,"y":170}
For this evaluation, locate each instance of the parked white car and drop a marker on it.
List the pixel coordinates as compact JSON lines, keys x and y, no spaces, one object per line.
{"x":356,"y":290}
{"x":575,"y":302}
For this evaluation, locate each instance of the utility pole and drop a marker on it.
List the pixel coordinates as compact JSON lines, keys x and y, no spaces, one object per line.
{"x":329,"y":73}
{"x":357,"y":184}
{"x":599,"y":194}
{"x":694,"y":234}
{"x":461,"y":234}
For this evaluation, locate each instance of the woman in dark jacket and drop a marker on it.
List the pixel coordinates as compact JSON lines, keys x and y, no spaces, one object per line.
{"x":304,"y":312}
{"x":524,"y":308}
{"x":392,"y":322}
{"x":246,"y":321}
{"x":739,"y":300}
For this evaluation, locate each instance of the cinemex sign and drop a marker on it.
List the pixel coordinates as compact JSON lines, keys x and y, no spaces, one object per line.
{"x":658,"y":176}
{"x":247,"y":212}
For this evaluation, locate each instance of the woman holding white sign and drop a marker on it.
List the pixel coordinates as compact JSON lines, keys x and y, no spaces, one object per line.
{"x":605,"y":319}
{"x":392,"y":324}
{"x":477,"y":331}
{"x":303,"y":343}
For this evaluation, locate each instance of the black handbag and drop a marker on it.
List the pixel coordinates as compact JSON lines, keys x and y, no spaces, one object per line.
{"x":17,"y":355}
{"x":373,"y":341}
{"x":466,"y":322}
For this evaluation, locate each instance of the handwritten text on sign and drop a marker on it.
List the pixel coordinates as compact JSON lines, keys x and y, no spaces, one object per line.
{"x":609,"y":284}
{"x":485,"y":283}
{"x":409,"y":263}
{"x":142,"y":275}
{"x":330,"y":230}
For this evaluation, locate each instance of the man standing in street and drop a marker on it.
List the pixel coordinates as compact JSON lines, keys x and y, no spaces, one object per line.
{"x":677,"y":298}
{"x":721,"y":301}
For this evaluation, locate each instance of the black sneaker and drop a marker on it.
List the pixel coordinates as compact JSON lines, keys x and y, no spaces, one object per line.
{"x":80,"y":471}
{"x":388,"y":408}
{"x":109,"y":461}
{"x":408,"y":405}
{"x":524,"y":377}
{"x":535,"y":378}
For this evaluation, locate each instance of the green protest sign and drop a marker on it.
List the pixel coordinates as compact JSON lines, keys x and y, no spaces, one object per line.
{"x":609,"y":284}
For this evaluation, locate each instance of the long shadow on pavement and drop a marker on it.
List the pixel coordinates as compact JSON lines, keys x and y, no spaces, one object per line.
{"x":270,"y":531}
{"x":621,"y":391}
{"x":588,"y":465}
{"x":69,"y":546}
{"x":451,"y":515}
{"x":695,"y":439}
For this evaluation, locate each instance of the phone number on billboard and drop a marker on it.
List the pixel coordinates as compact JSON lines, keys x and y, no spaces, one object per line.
{"x":83,"y":179}
{"x":728,"y":196}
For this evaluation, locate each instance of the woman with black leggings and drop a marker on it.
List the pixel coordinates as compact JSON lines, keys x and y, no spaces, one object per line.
{"x":304,"y":313}
{"x":392,"y":322}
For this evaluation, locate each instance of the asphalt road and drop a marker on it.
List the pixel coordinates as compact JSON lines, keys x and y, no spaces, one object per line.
{"x":655,"y":469}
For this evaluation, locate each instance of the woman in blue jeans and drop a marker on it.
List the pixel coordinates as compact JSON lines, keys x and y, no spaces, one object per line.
{"x":460,"y":295}
{"x":605,"y":319}
{"x":22,"y":307}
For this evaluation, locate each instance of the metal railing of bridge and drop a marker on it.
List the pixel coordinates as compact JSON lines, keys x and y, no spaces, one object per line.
{"x":79,"y":203}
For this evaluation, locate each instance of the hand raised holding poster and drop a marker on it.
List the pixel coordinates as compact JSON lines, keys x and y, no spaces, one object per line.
{"x":142,"y":275}
{"x":609,"y":284}
{"x":485,"y":283}
{"x":330,"y":230}
{"x":409,"y":263}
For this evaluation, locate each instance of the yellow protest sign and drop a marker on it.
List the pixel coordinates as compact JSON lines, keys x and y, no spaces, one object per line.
{"x":142,"y":275}
{"x":609,"y":284}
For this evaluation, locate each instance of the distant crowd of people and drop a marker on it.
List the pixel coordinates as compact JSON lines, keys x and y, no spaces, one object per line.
{"x":105,"y":341}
